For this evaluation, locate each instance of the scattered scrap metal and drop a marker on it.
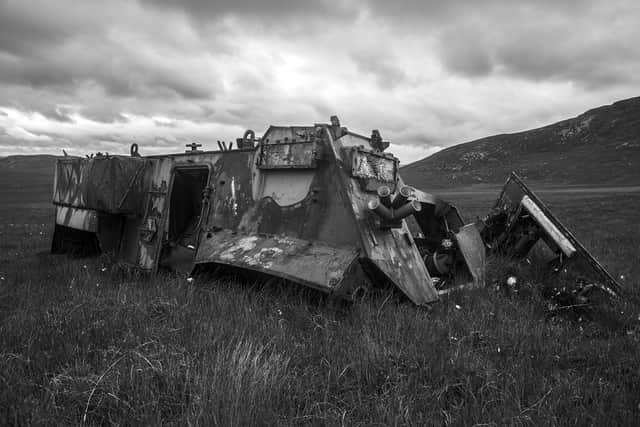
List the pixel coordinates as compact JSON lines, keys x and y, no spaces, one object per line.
{"x":316,"y":205}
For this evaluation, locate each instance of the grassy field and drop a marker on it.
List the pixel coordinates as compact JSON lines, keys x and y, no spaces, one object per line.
{"x":81,"y":342}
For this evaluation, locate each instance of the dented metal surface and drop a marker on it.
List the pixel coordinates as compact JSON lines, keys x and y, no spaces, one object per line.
{"x":79,"y":219}
{"x":368,"y":164}
{"x":288,"y":155}
{"x":314,"y":264}
{"x":113,"y":184}
{"x":522,"y":226}
{"x":469,"y":241}
{"x":315,"y":205}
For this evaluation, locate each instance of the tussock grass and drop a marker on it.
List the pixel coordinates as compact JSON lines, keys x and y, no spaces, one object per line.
{"x":82,"y":342}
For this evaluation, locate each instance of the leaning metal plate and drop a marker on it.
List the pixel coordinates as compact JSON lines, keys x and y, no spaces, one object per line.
{"x":580,"y":260}
{"x":472,"y":249}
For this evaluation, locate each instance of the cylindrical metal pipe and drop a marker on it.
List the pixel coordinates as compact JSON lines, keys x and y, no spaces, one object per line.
{"x":375,"y":205}
{"x":384,"y":192}
{"x":407,"y":209}
{"x":402,"y":196}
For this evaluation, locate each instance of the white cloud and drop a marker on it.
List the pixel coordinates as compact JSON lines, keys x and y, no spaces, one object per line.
{"x":19,"y":133}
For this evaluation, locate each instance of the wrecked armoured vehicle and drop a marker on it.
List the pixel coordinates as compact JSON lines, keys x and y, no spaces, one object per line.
{"x":315,"y":205}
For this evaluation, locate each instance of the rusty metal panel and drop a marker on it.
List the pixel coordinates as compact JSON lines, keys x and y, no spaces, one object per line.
{"x":113,"y":184}
{"x":288,"y":155}
{"x":313,"y":264}
{"x":399,"y":259}
{"x":472,"y":248}
{"x":285,"y":187}
{"x":580,"y":261}
{"x":151,"y":229}
{"x":372,"y":165}
{"x":372,"y":169}
{"x":280,"y":134}
{"x":392,"y":251}
{"x":69,"y":182}
{"x":300,"y":203}
{"x":229,"y":189}
{"x":80,"y":219}
{"x":232,"y":189}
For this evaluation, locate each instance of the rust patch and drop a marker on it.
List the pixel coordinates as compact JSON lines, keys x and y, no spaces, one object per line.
{"x":313,"y":264}
{"x":288,"y":155}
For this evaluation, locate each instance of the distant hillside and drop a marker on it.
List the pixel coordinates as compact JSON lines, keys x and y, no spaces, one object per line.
{"x":37,"y":161}
{"x":599,"y":147}
{"x":26,"y":179}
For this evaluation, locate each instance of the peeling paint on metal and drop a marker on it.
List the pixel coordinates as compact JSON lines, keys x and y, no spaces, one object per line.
{"x":234,"y":200}
{"x":243,"y":245}
{"x":80,"y":219}
{"x":373,"y":166}
{"x":288,"y":155}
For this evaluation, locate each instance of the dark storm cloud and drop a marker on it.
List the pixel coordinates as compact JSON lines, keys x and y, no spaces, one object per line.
{"x":576,"y":51}
{"x":382,"y":66}
{"x":270,"y":9}
{"x":25,"y":29}
{"x":586,"y":42}
{"x":465,"y":52}
{"x":558,"y":57}
{"x":119,"y":73}
{"x":35,"y":72}
{"x":437,"y":10}
{"x":150,"y":81}
{"x":472,"y":40}
{"x":593,"y":63}
{"x":49,"y":48}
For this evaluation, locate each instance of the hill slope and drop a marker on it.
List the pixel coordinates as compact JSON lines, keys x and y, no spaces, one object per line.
{"x":599,"y":147}
{"x":26,"y":179}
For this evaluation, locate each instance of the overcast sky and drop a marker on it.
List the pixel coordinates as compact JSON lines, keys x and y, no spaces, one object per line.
{"x":96,"y":76}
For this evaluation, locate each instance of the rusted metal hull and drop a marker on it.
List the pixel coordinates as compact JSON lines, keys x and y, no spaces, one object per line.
{"x":293,"y":206}
{"x":316,"y":205}
{"x":111,"y":184}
